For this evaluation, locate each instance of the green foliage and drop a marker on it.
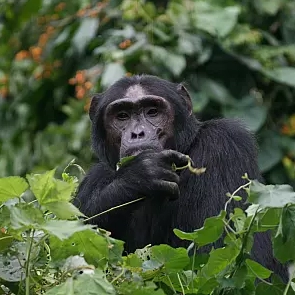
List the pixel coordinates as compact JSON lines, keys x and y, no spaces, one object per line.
{"x":237,"y":59}
{"x":46,"y":253}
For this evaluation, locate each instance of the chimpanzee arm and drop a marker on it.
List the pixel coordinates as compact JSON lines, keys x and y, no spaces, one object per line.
{"x":149,"y":174}
{"x":100,"y":191}
{"x":227,"y":151}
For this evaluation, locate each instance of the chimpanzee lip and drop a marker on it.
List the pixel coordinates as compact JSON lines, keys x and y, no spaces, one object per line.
{"x":134,"y":151}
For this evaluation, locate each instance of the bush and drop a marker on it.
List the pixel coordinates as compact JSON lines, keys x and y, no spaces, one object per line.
{"x":237,"y":59}
{"x":45,"y":249}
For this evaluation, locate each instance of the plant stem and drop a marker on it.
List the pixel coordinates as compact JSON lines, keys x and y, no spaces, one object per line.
{"x":28,"y":256}
{"x":234,"y":193}
{"x":289,"y":283}
{"x":182,"y":289}
{"x":113,"y":208}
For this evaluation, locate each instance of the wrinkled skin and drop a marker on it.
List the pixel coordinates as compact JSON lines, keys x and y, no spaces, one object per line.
{"x":152,"y":119}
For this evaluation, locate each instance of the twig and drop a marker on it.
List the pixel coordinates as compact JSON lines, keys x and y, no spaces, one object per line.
{"x":30,"y":238}
{"x":233,"y":194}
{"x":113,"y":208}
{"x":182,"y":289}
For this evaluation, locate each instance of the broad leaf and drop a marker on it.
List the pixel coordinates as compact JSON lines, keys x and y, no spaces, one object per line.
{"x":175,"y":63}
{"x":172,"y":259}
{"x":85,"y":284}
{"x":269,"y":7}
{"x":284,"y":75}
{"x":270,"y":151}
{"x":285,"y":237}
{"x":257,"y":269}
{"x":25,"y":216}
{"x":216,"y":21}
{"x":247,"y":110}
{"x":219,"y":259}
{"x":215,"y":91}
{"x":63,"y":209}
{"x":112,"y":73}
{"x":271,"y":196}
{"x":85,"y":33}
{"x":209,"y":233}
{"x":63,"y":229}
{"x":47,"y":189}
{"x":94,"y":248}
{"x":11,"y":187}
{"x":29,"y":8}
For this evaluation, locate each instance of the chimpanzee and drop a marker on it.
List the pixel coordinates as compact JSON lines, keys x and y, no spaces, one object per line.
{"x":151,"y":119}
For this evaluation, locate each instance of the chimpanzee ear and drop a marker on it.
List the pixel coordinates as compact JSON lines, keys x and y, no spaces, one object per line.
{"x":185,"y":95}
{"x":94,"y":105}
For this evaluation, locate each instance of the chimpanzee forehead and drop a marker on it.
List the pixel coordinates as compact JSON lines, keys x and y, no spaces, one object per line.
{"x":135,"y":91}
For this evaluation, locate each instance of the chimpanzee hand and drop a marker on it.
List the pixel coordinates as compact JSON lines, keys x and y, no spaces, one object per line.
{"x":150,"y":173}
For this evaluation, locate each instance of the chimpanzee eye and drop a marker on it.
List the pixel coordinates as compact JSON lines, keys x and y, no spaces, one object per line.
{"x":152,"y":112}
{"x":122,"y":116}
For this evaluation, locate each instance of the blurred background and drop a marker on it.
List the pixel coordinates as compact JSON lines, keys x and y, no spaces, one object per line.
{"x":236,"y":57}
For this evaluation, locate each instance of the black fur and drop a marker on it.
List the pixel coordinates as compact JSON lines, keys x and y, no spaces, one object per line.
{"x":224,"y":147}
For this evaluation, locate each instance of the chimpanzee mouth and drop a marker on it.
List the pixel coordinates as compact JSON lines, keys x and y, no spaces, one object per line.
{"x":134,"y":151}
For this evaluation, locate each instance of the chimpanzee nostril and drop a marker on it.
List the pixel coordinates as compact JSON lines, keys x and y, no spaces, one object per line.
{"x":141,"y":134}
{"x":135,"y":135}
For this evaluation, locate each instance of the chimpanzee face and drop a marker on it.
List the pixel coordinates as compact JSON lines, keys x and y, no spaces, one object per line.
{"x":139,"y":113}
{"x":139,"y":121}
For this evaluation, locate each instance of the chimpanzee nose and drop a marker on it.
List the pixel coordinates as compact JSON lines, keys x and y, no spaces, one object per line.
{"x":137,"y":135}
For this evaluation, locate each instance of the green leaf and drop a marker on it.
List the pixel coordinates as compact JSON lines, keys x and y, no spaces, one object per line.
{"x":172,"y":259}
{"x":124,"y":161}
{"x":219,"y":259}
{"x":63,"y":229}
{"x":47,"y":189}
{"x":285,"y":237}
{"x":63,"y":209}
{"x":247,"y":110}
{"x":189,"y":44}
{"x":175,"y":63}
{"x":271,"y":196}
{"x":94,"y":248}
{"x":112,"y":73}
{"x":215,"y":91}
{"x":11,"y":187}
{"x":12,"y":263}
{"x":85,"y":33}
{"x":84,"y":284}
{"x":132,"y":260}
{"x":29,"y":9}
{"x":116,"y":248}
{"x":257,"y":269}
{"x":270,"y":151}
{"x":269,"y":219}
{"x":6,"y":240}
{"x":284,"y":75}
{"x":276,"y":288}
{"x":216,"y":21}
{"x":133,"y":288}
{"x":209,"y":233}
{"x":238,"y":219}
{"x":42,"y":185}
{"x":25,"y":216}
{"x":270,"y":7}
{"x":199,"y":100}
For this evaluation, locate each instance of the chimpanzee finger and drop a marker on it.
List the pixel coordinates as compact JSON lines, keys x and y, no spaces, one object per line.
{"x":169,"y":175}
{"x":174,"y":157}
{"x":168,"y":188}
